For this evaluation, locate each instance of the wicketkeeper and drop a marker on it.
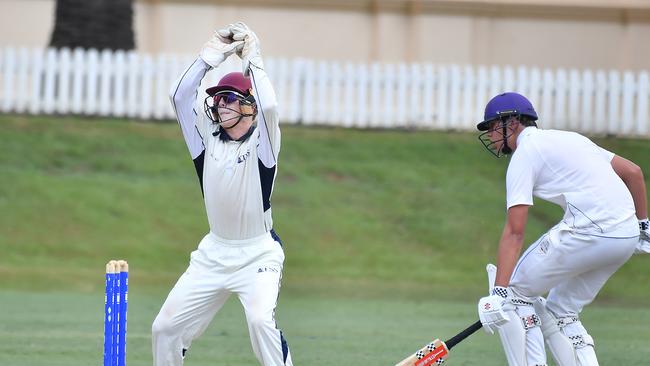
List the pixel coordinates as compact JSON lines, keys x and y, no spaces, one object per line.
{"x":234,"y":140}
{"x":604,"y":200}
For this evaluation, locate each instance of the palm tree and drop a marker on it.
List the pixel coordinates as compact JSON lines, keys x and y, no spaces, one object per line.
{"x":100,"y":24}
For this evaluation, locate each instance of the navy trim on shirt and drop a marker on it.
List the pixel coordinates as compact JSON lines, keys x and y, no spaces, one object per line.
{"x":198,"y":165}
{"x":266,"y":180}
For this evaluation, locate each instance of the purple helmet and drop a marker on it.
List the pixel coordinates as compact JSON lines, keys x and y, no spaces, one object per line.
{"x":506,"y":104}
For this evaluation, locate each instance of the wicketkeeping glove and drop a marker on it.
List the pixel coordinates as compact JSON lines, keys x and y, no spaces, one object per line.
{"x":215,"y":51}
{"x":224,"y":34}
{"x":250,"y":53}
{"x":643,"y":247}
{"x":492,"y":310}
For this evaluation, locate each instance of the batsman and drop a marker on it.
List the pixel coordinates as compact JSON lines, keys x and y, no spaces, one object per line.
{"x":605,"y":221}
{"x":233,"y":136}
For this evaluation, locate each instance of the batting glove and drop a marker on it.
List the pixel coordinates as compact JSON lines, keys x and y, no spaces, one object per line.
{"x":643,"y":247}
{"x":250,"y":52}
{"x":492,"y":310}
{"x":215,"y":51}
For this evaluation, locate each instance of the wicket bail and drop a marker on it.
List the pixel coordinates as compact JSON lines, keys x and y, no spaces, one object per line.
{"x":115,"y":306}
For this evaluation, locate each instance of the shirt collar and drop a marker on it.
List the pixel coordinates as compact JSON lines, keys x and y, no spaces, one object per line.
{"x":223,"y":136}
{"x":525,"y":133}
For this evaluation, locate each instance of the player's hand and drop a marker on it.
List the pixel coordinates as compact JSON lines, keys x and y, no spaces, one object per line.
{"x":225,"y":34}
{"x":250,"y":53}
{"x":492,"y":310}
{"x":643,"y":247}
{"x":215,"y":51}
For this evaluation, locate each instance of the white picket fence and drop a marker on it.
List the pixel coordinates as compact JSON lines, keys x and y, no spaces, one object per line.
{"x":360,"y":95}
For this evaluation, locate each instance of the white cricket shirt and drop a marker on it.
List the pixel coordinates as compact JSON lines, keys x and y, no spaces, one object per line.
{"x":569,"y":170}
{"x":236,"y":176}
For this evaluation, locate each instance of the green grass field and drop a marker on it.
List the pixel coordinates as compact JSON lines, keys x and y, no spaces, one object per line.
{"x":386,"y":235}
{"x":64,"y":328}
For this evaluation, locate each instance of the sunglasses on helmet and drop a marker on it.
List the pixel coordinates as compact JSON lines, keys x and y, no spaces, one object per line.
{"x":227,"y":97}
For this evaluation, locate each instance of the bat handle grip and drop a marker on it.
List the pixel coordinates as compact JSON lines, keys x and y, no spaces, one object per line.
{"x":463,"y":334}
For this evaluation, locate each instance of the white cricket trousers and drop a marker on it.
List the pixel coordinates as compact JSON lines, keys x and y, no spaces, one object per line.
{"x":572,"y":267}
{"x":251,"y":269}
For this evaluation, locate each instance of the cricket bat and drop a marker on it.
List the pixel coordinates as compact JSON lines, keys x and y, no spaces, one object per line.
{"x":436,"y":352}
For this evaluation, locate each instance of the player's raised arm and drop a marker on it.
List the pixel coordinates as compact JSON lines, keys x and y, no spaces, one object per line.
{"x":253,"y":66}
{"x":268,"y":117}
{"x":184,"y":92}
{"x":183,"y":96}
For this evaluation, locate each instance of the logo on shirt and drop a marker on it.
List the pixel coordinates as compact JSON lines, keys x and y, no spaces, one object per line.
{"x":267,"y":269}
{"x":543,"y":246}
{"x":242,"y":158}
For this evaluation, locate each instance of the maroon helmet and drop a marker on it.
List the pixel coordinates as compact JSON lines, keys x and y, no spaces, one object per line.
{"x":234,"y":86}
{"x":234,"y":81}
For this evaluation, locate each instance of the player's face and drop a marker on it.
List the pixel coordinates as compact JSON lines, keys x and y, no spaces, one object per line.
{"x":499,"y":131}
{"x":228,"y":108}
{"x":495,"y":132}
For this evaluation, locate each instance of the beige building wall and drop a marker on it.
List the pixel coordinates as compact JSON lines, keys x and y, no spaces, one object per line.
{"x":547,"y":33}
{"x":26,"y":22}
